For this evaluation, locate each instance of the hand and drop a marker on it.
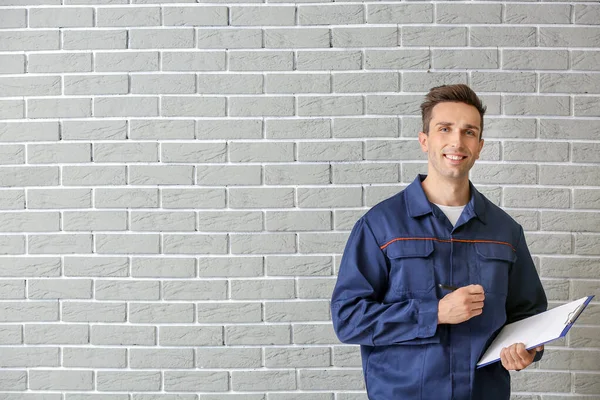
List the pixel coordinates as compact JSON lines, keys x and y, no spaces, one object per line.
{"x":516,"y":357}
{"x":461,"y":305}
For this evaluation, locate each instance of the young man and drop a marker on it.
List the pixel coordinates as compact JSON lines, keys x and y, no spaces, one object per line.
{"x":430,"y":275}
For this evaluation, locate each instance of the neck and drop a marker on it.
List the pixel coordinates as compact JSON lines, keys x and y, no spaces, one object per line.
{"x":446,"y":192}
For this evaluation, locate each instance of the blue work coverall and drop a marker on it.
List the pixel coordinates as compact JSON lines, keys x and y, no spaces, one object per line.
{"x":386,"y":296}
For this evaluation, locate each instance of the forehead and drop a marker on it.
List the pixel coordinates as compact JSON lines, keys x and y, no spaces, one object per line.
{"x":456,"y":113}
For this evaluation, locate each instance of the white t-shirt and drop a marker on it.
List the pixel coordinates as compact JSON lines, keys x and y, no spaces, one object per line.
{"x":452,"y":212}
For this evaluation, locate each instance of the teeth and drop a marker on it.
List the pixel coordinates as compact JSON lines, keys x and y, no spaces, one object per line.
{"x":454,"y":157}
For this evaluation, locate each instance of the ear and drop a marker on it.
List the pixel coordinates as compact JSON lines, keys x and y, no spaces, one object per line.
{"x":423,"y":138}
{"x":480,"y":147}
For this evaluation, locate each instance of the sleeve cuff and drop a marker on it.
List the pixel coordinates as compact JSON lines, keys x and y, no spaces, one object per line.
{"x":428,"y":318}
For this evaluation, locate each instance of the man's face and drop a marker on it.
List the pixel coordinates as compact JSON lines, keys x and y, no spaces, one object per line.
{"x":453,"y":144}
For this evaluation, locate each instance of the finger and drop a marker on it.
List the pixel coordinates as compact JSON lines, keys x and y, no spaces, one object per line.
{"x":524,"y":356}
{"x":475,"y":289}
{"x":505,"y":359}
{"x":514,"y":357}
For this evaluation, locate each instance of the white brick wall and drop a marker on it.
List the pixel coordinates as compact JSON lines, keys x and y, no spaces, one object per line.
{"x":177,"y":182}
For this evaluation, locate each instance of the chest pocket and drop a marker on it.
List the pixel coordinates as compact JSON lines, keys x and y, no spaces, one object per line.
{"x":494,"y":262}
{"x":411,"y":266}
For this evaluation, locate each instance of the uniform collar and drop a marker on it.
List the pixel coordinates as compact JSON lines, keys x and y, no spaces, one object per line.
{"x":419,"y":205}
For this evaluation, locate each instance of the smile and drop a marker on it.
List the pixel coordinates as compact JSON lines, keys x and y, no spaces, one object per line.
{"x":454,"y":157}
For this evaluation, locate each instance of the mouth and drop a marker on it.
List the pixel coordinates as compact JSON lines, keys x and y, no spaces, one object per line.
{"x":454,"y":157}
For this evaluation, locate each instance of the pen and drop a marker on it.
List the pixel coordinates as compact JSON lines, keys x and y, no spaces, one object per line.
{"x":447,"y":287}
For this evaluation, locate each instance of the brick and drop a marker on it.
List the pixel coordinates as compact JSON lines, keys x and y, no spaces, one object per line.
{"x":13,"y":380}
{"x":25,"y":40}
{"x":97,"y":84}
{"x":298,"y":265}
{"x":581,"y":288}
{"x":196,"y":381}
{"x":330,"y":151}
{"x":12,"y":289}
{"x":296,"y":311}
{"x":298,"y":128}
{"x":503,"y":36}
{"x":229,"y":358}
{"x":56,"y":334}
{"x":330,"y":105}
{"x":365,"y":37}
{"x":267,"y":243}
{"x":468,"y":59}
{"x":193,"y":60}
{"x":30,"y":357}
{"x":193,"y":152}
{"x":59,"y":153}
{"x":161,"y":358}
{"x":331,"y":379}
{"x":57,"y":244}
{"x":195,"y":290}
{"x":504,"y":81}
{"x":125,"y":381}
{"x":365,"y":127}
{"x":127,"y":16}
{"x":434,"y":36}
{"x":263,"y":106}
{"x":161,"y":313}
{"x":61,"y":17}
{"x":191,"y":335}
{"x":263,"y":380}
{"x":13,"y":18}
{"x":162,"y":267}
{"x":585,"y":60}
{"x":230,"y":221}
{"x":106,"y":289}
{"x":261,"y":152}
{"x":586,"y":106}
{"x":262,"y":289}
{"x":266,"y":60}
{"x":325,"y":60}
{"x":535,"y":59}
{"x":569,"y":128}
{"x":534,"y":14}
{"x":12,"y":63}
{"x":228,"y":175}
{"x":59,"y":289}
{"x":163,"y":84}
{"x":586,"y":14}
{"x":262,"y":16}
{"x":315,"y":288}
{"x":125,"y":198}
{"x":126,"y":106}
{"x":194,"y":244}
{"x":60,"y":380}
{"x":161,"y":175}
{"x":365,"y":173}
{"x":504,"y":174}
{"x":127,"y":243}
{"x":560,"y":83}
{"x":366,"y":82}
{"x":80,"y":311}
{"x":104,"y":39}
{"x":314,"y":334}
{"x":12,"y":334}
{"x":346,"y":356}
{"x":195,"y":15}
{"x":399,"y":13}
{"x":93,"y":130}
{"x":229,"y":129}
{"x":261,"y":197}
{"x":468,"y":13}
{"x":297,"y":174}
{"x":556,"y":289}
{"x":230,"y":84}
{"x":229,"y":312}
{"x":123,"y":335}
{"x":297,"y":83}
{"x":29,"y":266}
{"x":536,"y":105}
{"x":161,"y":129}
{"x":345,"y":219}
{"x":230,"y":266}
{"x":12,"y":109}
{"x":59,"y":108}
{"x":546,"y":243}
{"x":544,"y":381}
{"x":331,"y":14}
{"x":536,"y":197}
{"x":330,"y":197}
{"x":393,"y":150}
{"x":567,"y":175}
{"x":12,"y":154}
{"x":285,"y":38}
{"x":576,"y":221}
{"x":393,"y":104}
{"x":59,"y":62}
{"x":209,"y":38}
{"x":303,"y":396}
{"x":149,"y":38}
{"x":130,"y":61}
{"x":579,"y":267}
{"x":125,"y":152}
{"x":322,"y":242}
{"x":96,"y":266}
{"x":190,"y":106}
{"x":93,"y":175}
{"x":423,"y":81}
{"x":535,"y":151}
{"x":575,"y":36}
{"x":297,"y":357}
{"x":78,"y":357}
{"x":585,"y":152}
{"x":12,"y":199}
{"x":193,"y":198}
{"x":587,"y":244}
{"x":30,"y":86}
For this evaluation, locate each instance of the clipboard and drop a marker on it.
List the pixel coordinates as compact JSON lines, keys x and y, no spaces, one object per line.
{"x":536,"y":330}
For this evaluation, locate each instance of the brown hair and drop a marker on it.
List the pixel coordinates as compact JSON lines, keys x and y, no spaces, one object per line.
{"x":450,"y":93}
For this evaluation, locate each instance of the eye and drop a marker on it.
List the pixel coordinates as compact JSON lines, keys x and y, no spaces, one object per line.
{"x":470,"y":133}
{"x":444,"y":129}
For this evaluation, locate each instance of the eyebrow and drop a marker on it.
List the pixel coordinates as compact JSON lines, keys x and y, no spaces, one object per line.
{"x":468,"y":126}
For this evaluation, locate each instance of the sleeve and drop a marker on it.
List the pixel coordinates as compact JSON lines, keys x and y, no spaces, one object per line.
{"x":526,"y":296}
{"x":359,"y":316}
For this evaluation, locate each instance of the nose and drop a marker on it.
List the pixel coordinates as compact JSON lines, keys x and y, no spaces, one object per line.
{"x":455,"y":138}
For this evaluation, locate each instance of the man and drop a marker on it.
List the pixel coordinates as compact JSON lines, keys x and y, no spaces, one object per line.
{"x":430,"y":275}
